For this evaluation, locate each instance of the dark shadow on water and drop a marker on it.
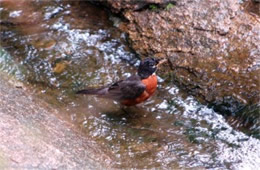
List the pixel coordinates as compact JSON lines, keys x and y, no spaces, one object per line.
{"x":124,"y":115}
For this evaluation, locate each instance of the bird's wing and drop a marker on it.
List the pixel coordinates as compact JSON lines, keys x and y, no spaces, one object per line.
{"x":130,"y":88}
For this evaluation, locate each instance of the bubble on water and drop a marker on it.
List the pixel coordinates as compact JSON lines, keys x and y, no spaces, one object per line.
{"x":53,"y":80}
{"x":160,"y":80}
{"x":51,"y":11}
{"x":15,"y":13}
{"x":163,"y":105}
{"x":158,"y":117}
{"x":103,"y":115}
{"x":173,"y":91}
{"x":127,"y":74}
{"x":85,"y":123}
{"x":109,"y":138}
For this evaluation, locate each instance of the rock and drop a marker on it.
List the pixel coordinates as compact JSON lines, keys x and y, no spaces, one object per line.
{"x":44,"y":44}
{"x":60,"y":67}
{"x":119,"y":6}
{"x":252,"y":6}
{"x":213,"y":46}
{"x":34,"y":137}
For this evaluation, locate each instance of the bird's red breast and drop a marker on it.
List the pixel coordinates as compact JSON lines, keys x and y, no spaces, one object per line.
{"x":133,"y":90}
{"x":150,"y":84}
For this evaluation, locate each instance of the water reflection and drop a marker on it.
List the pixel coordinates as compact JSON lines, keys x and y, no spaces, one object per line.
{"x":63,"y":46}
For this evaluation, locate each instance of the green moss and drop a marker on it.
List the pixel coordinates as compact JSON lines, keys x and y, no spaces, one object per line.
{"x":153,"y":7}
{"x":169,"y":6}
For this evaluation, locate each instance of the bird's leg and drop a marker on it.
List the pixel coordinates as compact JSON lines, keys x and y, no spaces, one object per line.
{"x":124,"y":109}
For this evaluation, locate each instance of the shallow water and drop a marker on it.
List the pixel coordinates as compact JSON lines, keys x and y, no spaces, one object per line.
{"x":60,"y":47}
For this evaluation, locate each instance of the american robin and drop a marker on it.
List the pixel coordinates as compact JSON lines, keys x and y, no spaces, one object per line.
{"x":133,"y":90}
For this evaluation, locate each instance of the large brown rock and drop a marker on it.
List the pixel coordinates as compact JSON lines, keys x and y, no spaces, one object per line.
{"x":33,"y":136}
{"x":213,"y":47}
{"x":134,"y":5}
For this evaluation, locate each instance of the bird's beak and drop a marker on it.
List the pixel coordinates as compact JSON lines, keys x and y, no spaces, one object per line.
{"x":161,"y":61}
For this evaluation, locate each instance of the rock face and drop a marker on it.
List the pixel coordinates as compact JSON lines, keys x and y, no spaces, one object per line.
{"x":123,"y":5}
{"x":212,"y":45}
{"x":33,"y":137}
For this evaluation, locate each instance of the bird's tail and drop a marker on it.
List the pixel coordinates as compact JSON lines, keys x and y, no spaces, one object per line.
{"x":98,"y":91}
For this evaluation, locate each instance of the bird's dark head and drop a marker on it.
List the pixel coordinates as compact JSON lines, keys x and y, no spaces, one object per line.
{"x":148,"y":66}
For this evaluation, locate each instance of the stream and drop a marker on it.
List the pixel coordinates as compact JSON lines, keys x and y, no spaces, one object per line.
{"x":59,"y":47}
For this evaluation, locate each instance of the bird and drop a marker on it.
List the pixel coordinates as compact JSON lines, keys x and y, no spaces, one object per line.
{"x":134,"y":89}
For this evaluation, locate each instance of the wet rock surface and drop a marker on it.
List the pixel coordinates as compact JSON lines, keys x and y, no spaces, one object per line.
{"x":32,"y":136}
{"x":213,"y":48}
{"x":119,"y":6}
{"x":252,"y":6}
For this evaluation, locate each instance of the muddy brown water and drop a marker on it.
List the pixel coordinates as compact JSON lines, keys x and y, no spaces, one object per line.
{"x":60,"y":47}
